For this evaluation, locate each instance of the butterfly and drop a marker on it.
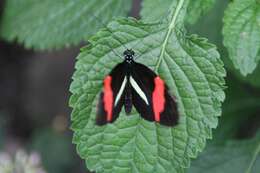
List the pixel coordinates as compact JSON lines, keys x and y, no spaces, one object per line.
{"x":133,"y":84}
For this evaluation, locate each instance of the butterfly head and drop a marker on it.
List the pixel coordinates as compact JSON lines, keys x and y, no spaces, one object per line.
{"x":129,"y":55}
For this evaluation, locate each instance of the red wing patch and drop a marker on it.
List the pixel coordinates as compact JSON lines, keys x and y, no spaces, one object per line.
{"x":158,"y":98}
{"x":107,"y":111}
{"x":108,"y":98}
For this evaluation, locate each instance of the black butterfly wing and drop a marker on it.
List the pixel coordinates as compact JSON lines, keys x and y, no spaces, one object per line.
{"x":111,"y":98}
{"x":161,"y":106}
{"x":143,"y":78}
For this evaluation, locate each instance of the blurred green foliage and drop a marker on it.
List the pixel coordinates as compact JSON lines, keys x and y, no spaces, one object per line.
{"x":237,"y":156}
{"x":241,"y":32}
{"x":55,"y":150}
{"x":56,"y":24}
{"x":241,"y":110}
{"x":242,"y":96}
{"x":43,"y":26}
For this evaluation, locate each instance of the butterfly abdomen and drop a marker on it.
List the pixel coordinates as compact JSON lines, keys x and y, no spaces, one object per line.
{"x":128,"y":99}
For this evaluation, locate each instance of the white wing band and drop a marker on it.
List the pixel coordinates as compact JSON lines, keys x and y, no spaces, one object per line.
{"x":138,"y":90}
{"x":120,"y":91}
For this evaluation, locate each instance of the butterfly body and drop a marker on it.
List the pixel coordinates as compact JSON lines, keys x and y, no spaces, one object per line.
{"x":133,"y":84}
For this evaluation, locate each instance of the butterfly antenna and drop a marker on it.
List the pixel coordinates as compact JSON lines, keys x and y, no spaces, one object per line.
{"x":113,"y":35}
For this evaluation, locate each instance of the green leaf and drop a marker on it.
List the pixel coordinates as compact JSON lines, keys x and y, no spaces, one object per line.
{"x":232,"y":157}
{"x":52,"y":24}
{"x":160,"y":9}
{"x":242,"y":34}
{"x":192,"y":69}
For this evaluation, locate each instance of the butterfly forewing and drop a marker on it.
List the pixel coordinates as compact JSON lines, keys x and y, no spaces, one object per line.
{"x":162,"y":107}
{"x":111,"y":98}
{"x":142,"y":99}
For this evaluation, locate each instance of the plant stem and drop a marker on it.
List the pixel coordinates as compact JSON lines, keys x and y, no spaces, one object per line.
{"x":170,"y":29}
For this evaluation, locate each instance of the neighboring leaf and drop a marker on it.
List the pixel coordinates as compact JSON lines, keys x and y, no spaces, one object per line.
{"x":210,"y":26}
{"x":49,"y":24}
{"x":198,"y":8}
{"x":192,"y":69}
{"x":242,"y":34}
{"x":154,"y":10}
{"x":232,"y":157}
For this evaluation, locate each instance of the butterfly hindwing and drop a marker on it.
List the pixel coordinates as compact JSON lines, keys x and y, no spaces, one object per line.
{"x":169,"y":116}
{"x":111,"y":98}
{"x":161,"y":105}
